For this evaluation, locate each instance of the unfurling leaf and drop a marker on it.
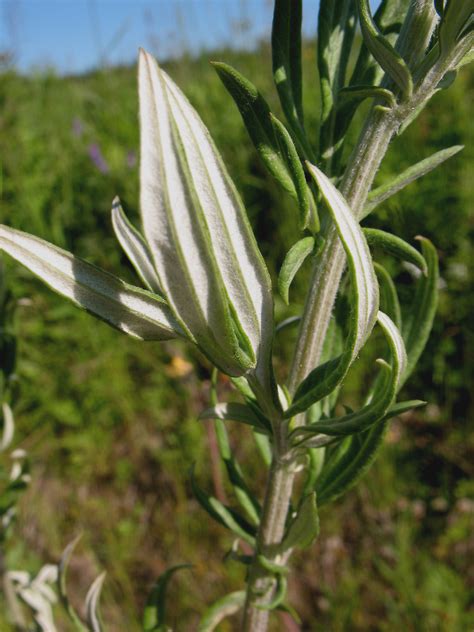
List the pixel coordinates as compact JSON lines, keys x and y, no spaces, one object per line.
{"x":92,"y":604}
{"x":294,"y":259}
{"x":304,"y":527}
{"x":325,"y":378}
{"x":154,"y":615}
{"x":135,"y":247}
{"x":385,"y":191}
{"x":126,"y":307}
{"x":223,"y":608}
{"x":395,"y":246}
{"x":208,"y":264}
{"x":383,"y":51}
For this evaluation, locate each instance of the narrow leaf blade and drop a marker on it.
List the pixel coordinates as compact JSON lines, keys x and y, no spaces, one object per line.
{"x":304,"y":528}
{"x":92,"y":604}
{"x":154,"y":615}
{"x":294,"y":259}
{"x":223,"y":608}
{"x":125,"y":307}
{"x":395,"y":246}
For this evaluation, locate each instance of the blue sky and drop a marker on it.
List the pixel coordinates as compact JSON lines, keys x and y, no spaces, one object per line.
{"x":76,"y":35}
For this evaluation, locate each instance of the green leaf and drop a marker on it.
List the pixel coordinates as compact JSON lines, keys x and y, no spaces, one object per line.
{"x":225,"y":607}
{"x":336,"y":28}
{"x":264,"y":447}
{"x":235,"y":412}
{"x":457,"y":16}
{"x":304,"y":528}
{"x":154,"y":615}
{"x":417,"y":326}
{"x":395,"y":246}
{"x":128,"y":308}
{"x":382,"y":399}
{"x":226,"y":516}
{"x":286,"y":58}
{"x":385,"y":191}
{"x":389,"y":302}
{"x":296,"y":172}
{"x":204,"y":251}
{"x":92,"y":604}
{"x":351,"y":465}
{"x":402,"y":407}
{"x":134,"y":247}
{"x":323,"y":380}
{"x":62,"y":586}
{"x":294,"y":259}
{"x":383,"y":51}
{"x":368,"y":92}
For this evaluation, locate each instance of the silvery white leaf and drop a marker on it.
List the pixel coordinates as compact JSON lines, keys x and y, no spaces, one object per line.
{"x":208,"y":264}
{"x":92,"y":604}
{"x":8,"y":427}
{"x":128,"y":308}
{"x":134,"y":247}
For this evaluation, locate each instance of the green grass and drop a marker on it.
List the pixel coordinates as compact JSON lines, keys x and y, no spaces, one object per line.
{"x":111,"y":427}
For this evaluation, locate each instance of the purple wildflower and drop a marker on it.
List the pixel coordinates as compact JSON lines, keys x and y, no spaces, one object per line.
{"x":97,"y":158}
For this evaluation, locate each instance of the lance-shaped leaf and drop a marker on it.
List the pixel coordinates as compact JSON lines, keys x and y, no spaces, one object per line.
{"x":223,"y":608}
{"x":406,"y":177}
{"x":226,"y":516}
{"x":325,"y":378}
{"x":62,"y":586}
{"x":336,"y":27}
{"x":457,"y":17}
{"x":418,"y":323}
{"x":286,"y":58}
{"x":134,"y":247}
{"x":236,"y":412}
{"x":92,"y":604}
{"x":270,"y":137}
{"x":154,"y":615}
{"x":395,"y":246}
{"x":208,"y":264}
{"x":383,"y":51}
{"x":359,"y":93}
{"x":132,"y":310}
{"x":294,"y":259}
{"x":382,"y":399}
{"x":304,"y":527}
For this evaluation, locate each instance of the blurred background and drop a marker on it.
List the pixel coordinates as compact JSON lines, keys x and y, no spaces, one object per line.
{"x":110,"y":424}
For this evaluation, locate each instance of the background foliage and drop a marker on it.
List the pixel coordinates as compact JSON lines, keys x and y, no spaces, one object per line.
{"x":110,"y":423}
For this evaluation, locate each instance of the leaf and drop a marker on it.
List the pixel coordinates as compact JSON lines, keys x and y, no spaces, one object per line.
{"x":385,"y":191}
{"x":395,"y":246}
{"x":92,"y":604}
{"x":382,"y":399}
{"x":225,"y":607}
{"x":134,"y":247}
{"x":324,"y":379}
{"x":389,"y":302}
{"x":343,"y":473}
{"x":235,"y":412}
{"x":128,"y":308}
{"x":270,"y":137}
{"x":457,"y":16}
{"x":62,"y":587}
{"x":208,"y":264}
{"x":368,"y":92}
{"x":402,"y":407}
{"x":383,"y":51}
{"x":304,"y":528}
{"x":154,"y":615}
{"x":286,"y":59}
{"x":8,"y":428}
{"x":294,"y":259}
{"x":417,"y":326}
{"x":222,"y":514}
{"x":336,"y":28}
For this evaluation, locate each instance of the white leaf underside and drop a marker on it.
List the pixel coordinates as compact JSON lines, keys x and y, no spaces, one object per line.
{"x":360,"y":261}
{"x":130,"y":309}
{"x":203,"y":248}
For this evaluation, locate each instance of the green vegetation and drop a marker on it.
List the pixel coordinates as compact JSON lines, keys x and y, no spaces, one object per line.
{"x":110,"y":424}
